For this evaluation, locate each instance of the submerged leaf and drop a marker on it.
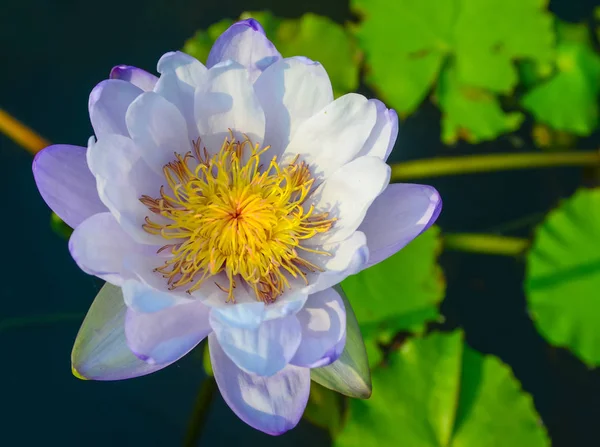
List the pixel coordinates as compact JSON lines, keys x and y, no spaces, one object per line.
{"x":563,"y":276}
{"x":438,"y":392}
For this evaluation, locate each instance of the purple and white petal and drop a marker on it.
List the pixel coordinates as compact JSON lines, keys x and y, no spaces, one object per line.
{"x":272,"y":404}
{"x":122,"y":177}
{"x":158,"y":128}
{"x":383,"y":136}
{"x":180,"y":75}
{"x":100,"y":351}
{"x":99,"y":246}
{"x":108,"y":105}
{"x":166,"y":335}
{"x":138,"y":77}
{"x":347,"y":258}
{"x":144,"y":299}
{"x":323,"y":321}
{"x":347,"y":194}
{"x":66,"y":183}
{"x":398,"y":215}
{"x":334,"y":135}
{"x":264,"y":350}
{"x":227,"y":101}
{"x":291,"y":91}
{"x":245,"y":43}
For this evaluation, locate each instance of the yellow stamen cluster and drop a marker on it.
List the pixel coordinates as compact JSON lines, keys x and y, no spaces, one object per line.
{"x":227,"y":214}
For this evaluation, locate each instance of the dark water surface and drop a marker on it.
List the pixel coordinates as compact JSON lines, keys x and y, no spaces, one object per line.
{"x":54,"y":52}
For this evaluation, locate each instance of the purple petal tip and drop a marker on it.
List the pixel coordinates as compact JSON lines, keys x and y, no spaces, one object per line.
{"x":254,"y":24}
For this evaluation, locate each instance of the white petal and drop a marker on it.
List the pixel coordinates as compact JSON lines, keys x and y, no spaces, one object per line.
{"x":347,"y":195}
{"x":291,"y":91}
{"x":122,"y":178}
{"x":334,"y":135}
{"x":166,"y":335}
{"x":99,"y":246}
{"x":323,"y":321}
{"x":138,"y":77}
{"x":383,"y":136}
{"x":397,"y":216}
{"x":181,"y":74}
{"x":273,"y":404}
{"x":144,"y":299}
{"x":227,"y":101}
{"x":158,"y":129}
{"x":347,"y":258}
{"x":108,"y":104}
{"x":264,"y":350}
{"x":244,"y":42}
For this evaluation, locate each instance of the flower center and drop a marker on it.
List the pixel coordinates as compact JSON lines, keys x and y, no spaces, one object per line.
{"x":225,"y":213}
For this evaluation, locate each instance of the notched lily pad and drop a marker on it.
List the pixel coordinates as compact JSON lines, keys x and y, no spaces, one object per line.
{"x":563,"y":276}
{"x":435,"y":391}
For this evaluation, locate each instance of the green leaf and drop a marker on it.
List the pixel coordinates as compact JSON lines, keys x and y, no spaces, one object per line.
{"x":471,"y":113}
{"x":313,"y":36}
{"x":568,"y":101}
{"x":325,"y":409}
{"x":349,"y":374}
{"x":408,"y":45}
{"x":563,"y":276}
{"x":489,"y":36}
{"x":405,"y":44}
{"x":401,"y":293}
{"x":437,"y":392}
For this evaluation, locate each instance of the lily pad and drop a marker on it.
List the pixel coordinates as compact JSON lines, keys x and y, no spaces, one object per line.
{"x":471,"y":113}
{"x":436,"y":392}
{"x":563,"y":276}
{"x":568,"y":100}
{"x":408,"y":45}
{"x":313,"y":36}
{"x":401,"y":293}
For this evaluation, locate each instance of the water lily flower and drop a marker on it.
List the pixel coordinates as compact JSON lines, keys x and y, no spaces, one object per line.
{"x":225,"y":200}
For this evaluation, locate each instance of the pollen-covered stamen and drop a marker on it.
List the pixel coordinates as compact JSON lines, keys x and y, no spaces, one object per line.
{"x":229,"y":214}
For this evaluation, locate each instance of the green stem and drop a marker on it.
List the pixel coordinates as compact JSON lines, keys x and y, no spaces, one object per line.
{"x":436,"y":167}
{"x":200,"y":412}
{"x":490,"y":244}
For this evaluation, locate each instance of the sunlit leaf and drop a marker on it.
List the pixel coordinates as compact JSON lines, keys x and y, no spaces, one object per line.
{"x":313,"y":36}
{"x":471,"y":113}
{"x":435,"y":392}
{"x":489,"y":36}
{"x":401,"y":293}
{"x":405,"y":44}
{"x":409,"y":44}
{"x":563,"y":276}
{"x":568,"y":100}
